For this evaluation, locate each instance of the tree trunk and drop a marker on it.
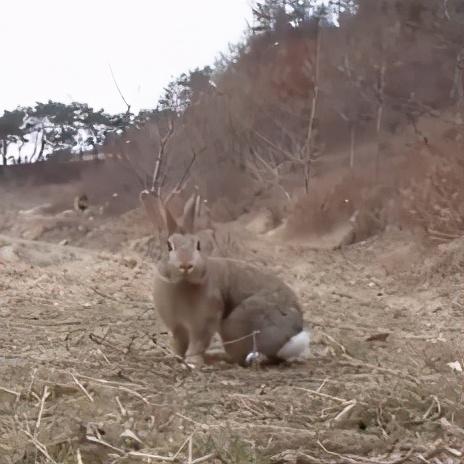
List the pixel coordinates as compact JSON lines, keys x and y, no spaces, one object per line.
{"x":380,"y":96}
{"x":42,"y":148}
{"x":457,"y":92}
{"x":307,"y":176}
{"x":308,"y":148}
{"x":378,"y":133}
{"x":352,"y":144}
{"x":4,"y":152}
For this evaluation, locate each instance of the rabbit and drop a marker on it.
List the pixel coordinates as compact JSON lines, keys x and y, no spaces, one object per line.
{"x":198,"y":295}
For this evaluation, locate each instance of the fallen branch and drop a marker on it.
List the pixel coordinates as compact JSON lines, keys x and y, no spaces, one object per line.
{"x":98,"y":441}
{"x":86,"y":393}
{"x":45,"y":395}
{"x":41,"y":448}
{"x":11,"y":392}
{"x":324,"y":395}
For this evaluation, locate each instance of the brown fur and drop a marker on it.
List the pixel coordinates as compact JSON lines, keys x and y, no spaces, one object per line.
{"x":220,"y":295}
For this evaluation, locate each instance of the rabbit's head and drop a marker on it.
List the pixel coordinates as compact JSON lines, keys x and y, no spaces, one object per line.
{"x":185,"y":253}
{"x":185,"y":259}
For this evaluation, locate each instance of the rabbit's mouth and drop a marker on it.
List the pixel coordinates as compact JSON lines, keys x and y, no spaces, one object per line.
{"x":196,"y":277}
{"x":173,"y":276}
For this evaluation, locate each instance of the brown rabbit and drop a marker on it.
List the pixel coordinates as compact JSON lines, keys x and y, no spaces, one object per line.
{"x":197,"y":296}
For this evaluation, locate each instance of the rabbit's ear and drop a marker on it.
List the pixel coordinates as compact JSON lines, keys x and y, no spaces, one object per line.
{"x":190,"y":213}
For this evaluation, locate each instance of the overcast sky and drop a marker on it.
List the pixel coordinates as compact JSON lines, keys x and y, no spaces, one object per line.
{"x":60,"y":50}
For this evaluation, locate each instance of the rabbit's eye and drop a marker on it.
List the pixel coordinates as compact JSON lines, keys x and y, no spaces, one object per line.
{"x":198,"y":245}
{"x":170,"y":247}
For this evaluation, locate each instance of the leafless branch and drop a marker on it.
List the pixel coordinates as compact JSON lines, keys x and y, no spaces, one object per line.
{"x":128,"y":160}
{"x":286,"y":153}
{"x":119,"y":90}
{"x":272,"y":171}
{"x":161,"y":161}
{"x":183,"y":180}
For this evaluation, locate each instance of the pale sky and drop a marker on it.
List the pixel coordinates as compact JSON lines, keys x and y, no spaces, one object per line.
{"x":61,"y":49}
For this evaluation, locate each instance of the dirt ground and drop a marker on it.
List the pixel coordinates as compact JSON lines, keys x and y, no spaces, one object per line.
{"x":87,"y":376}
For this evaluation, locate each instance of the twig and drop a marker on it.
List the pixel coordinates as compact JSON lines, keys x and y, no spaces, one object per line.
{"x":104,"y":443}
{"x":324,"y":395}
{"x":133,"y":392}
{"x":190,"y":450}
{"x":270,"y":427}
{"x":31,"y":384}
{"x":357,"y":363}
{"x":157,"y":457}
{"x":436,"y":402}
{"x":287,"y":154}
{"x":119,"y":90}
{"x":204,"y":458}
{"x":332,"y":453}
{"x":39,"y":446}
{"x":116,"y":385}
{"x":156,"y":185}
{"x":321,"y":386}
{"x":345,"y":411}
{"x":42,"y":404}
{"x":101,"y":341}
{"x":199,"y":424}
{"x":86,"y":393}
{"x":335,"y":342}
{"x":122,"y":409}
{"x":166,"y":424}
{"x":187,"y":440}
{"x":11,"y":392}
{"x":272,"y":171}
{"x":180,"y":185}
{"x":79,"y":457}
{"x":110,"y":383}
{"x":104,"y":356}
{"x":173,"y":458}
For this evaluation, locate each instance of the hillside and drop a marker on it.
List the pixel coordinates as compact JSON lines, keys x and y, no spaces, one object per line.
{"x":328,"y":148}
{"x":88,"y":375}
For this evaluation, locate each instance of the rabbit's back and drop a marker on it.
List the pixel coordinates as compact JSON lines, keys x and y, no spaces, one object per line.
{"x":259,"y":303}
{"x":239,"y":281}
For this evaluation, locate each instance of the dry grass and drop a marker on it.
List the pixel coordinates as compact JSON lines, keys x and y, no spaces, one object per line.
{"x":88,"y":376}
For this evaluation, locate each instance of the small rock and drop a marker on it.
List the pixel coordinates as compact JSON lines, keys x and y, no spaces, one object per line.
{"x":131,"y":263}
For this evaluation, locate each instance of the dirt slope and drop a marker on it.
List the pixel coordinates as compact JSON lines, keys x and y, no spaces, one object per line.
{"x":87,"y":374}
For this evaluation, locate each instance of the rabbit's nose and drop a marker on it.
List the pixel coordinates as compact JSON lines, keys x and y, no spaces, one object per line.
{"x":185,"y":268}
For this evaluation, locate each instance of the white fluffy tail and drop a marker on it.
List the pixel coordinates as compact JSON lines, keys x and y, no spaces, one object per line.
{"x":296,"y":348}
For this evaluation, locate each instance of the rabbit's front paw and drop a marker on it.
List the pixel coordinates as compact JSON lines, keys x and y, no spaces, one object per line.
{"x":195,"y":360}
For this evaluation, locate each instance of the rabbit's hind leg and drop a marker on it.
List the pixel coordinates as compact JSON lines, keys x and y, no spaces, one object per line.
{"x":260,"y":324}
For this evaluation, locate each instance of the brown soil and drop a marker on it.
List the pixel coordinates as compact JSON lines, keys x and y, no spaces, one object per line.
{"x":87,"y":375}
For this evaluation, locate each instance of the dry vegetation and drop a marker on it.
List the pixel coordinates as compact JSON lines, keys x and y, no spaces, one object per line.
{"x":87,"y":374}
{"x":332,"y":156}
